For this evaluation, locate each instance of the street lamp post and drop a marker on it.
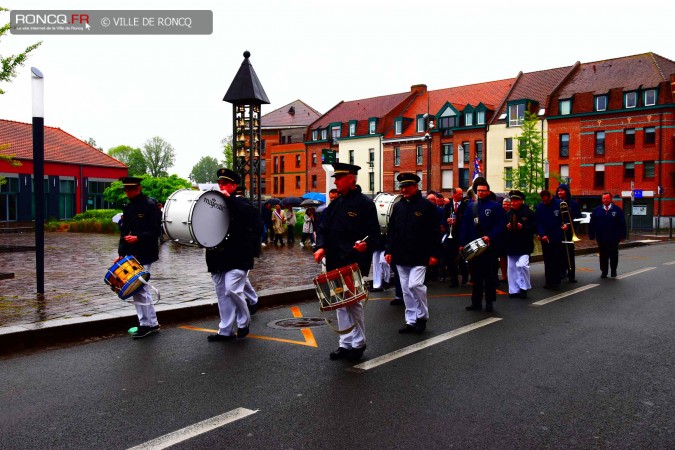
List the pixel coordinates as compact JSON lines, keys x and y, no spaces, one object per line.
{"x":427,"y":137}
{"x":38,"y":176}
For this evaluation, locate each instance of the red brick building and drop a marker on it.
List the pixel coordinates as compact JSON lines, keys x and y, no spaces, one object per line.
{"x":611,"y":127}
{"x":76,"y":174}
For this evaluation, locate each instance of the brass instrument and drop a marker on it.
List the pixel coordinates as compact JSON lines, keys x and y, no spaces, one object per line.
{"x":565,"y":210}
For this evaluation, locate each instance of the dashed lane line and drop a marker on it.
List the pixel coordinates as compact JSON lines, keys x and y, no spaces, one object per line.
{"x":635,"y":272}
{"x":380,"y":360}
{"x":670,"y":263}
{"x":195,"y":430}
{"x":564,"y":294}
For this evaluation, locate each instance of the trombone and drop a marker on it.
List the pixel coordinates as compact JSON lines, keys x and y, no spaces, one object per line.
{"x":565,"y":210}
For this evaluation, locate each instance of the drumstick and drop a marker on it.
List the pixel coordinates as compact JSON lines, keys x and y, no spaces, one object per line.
{"x":363,"y":239}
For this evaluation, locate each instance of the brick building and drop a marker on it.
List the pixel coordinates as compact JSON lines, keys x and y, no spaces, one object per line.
{"x":75,"y":174}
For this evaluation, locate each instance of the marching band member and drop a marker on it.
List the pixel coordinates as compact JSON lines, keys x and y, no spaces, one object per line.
{"x":345,"y":223}
{"x":608,"y":226}
{"x":413,"y":242}
{"x":139,"y":237}
{"x":231,"y":260}
{"x":567,"y":262}
{"x":519,"y":245}
{"x":550,"y":233}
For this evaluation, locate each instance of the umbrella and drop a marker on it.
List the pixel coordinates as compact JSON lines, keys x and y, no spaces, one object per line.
{"x":310,"y":202}
{"x":273,"y":201}
{"x":315,"y":196}
{"x":291,"y":201}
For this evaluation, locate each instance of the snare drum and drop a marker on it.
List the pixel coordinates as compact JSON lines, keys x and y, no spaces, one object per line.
{"x":196,"y":217}
{"x":384,"y":204}
{"x":473,"y":249}
{"x":126,"y":276}
{"x":340,"y":287}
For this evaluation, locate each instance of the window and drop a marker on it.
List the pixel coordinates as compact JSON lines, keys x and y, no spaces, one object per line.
{"x":397,"y":156}
{"x":629,"y":170}
{"x":468,"y":119}
{"x":351,"y":156}
{"x":371,"y":181}
{"x":298,"y":160}
{"x":421,"y":175}
{"x":648,"y":167}
{"x":630,"y":99}
{"x":313,"y":181}
{"x":447,"y":122}
{"x":281,"y":164}
{"x":397,"y":185}
{"x":508,"y":177}
{"x":372,"y":126}
{"x":282,"y":184}
{"x":315,"y":135}
{"x":335,"y":131}
{"x":599,"y":143}
{"x":447,"y":154}
{"x":479,"y":150}
{"x":564,"y":171}
{"x":601,"y":103}
{"x":276,"y":185}
{"x":650,"y":135}
{"x":276,"y":166}
{"x":650,"y":97}
{"x":398,"y":126}
{"x":599,"y":179}
{"x":467,"y":151}
{"x":314,"y":159}
{"x":565,"y":107}
{"x":95,"y":198}
{"x":371,"y":156}
{"x":324,"y":134}
{"x":446,"y":180}
{"x":629,"y":136}
{"x":420,"y":155}
{"x":464,"y":178}
{"x":420,"y":124}
{"x":352,"y":128}
{"x":564,"y":145}
{"x":516,"y":115}
{"x":508,"y":149}
{"x":297,"y":181}
{"x":480,"y":117}
{"x":9,"y":199}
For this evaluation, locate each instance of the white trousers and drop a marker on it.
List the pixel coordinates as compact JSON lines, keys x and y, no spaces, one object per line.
{"x":348,"y":316}
{"x":381,"y":270}
{"x":231,"y":300}
{"x":145,"y":310}
{"x":249,"y":293}
{"x":414,"y":292}
{"x":518,"y":273}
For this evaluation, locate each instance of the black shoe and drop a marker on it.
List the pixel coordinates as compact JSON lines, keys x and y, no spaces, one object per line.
{"x":386,"y":285}
{"x":253,"y":308}
{"x":396,"y":302}
{"x":340,"y":353}
{"x":356,"y":354}
{"x":603,"y":275}
{"x":144,"y":331}
{"x":375,"y":289}
{"x":522,"y":293}
{"x":407,"y":328}
{"x":242,"y":332}
{"x":473,"y":308}
{"x":613,"y":273}
{"x":420,"y":326}
{"x":516,"y":295}
{"x":220,"y":337}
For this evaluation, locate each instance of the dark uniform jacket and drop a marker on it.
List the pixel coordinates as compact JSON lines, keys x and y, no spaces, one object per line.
{"x":413,"y":234}
{"x":573,"y":208}
{"x":242,"y":242}
{"x":491,"y":223}
{"x":142,"y":218}
{"x":347,"y":219}
{"x":607,"y":226}
{"x":549,"y":221}
{"x":520,"y":242}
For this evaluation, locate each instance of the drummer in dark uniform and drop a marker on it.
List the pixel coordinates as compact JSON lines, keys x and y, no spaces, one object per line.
{"x":483,"y":219}
{"x":231,"y":260}
{"x":413,"y":242}
{"x":139,"y":237}
{"x":345,"y":223}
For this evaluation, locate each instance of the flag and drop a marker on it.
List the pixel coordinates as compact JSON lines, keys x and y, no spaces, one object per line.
{"x":477,"y":169}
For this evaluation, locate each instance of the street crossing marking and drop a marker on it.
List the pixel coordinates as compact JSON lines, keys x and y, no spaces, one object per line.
{"x":380,"y":360}
{"x":564,"y":294}
{"x":195,"y":430}
{"x":635,"y":272}
{"x":669,"y":263}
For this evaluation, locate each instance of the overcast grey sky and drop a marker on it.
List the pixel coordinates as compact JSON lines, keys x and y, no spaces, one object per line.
{"x":127,"y":89}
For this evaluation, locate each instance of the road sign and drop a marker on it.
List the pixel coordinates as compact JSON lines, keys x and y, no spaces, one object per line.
{"x":637,"y":193}
{"x":328,"y":156}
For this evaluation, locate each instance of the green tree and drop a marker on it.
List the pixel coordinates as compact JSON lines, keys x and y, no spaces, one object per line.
{"x":91,"y":141}
{"x":205,"y":170}
{"x":9,"y":64}
{"x":158,"y":188}
{"x":529,"y":175}
{"x":4,"y":156}
{"x":227,"y":152}
{"x":159,"y":156}
{"x":132,"y":157}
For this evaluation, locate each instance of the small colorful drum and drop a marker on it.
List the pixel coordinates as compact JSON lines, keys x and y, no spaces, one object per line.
{"x":126,"y":276}
{"x":340,"y":287}
{"x":473,"y":249}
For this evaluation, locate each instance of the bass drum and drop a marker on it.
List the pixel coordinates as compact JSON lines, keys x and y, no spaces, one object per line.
{"x":197,"y":218}
{"x":384,"y":204}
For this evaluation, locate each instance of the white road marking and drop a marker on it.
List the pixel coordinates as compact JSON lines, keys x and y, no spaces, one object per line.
{"x":564,"y":294}
{"x":669,"y":263}
{"x":372,"y":363}
{"x":635,"y":272}
{"x":194,"y":430}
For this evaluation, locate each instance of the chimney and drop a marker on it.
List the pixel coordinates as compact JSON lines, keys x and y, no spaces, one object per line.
{"x":418,"y":88}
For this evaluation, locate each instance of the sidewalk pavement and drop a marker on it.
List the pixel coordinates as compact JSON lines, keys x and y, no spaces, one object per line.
{"x":82,"y":306}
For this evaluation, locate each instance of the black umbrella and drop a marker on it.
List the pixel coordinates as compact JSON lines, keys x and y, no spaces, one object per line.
{"x":311,"y":202}
{"x":291,"y":201}
{"x":273,"y":201}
